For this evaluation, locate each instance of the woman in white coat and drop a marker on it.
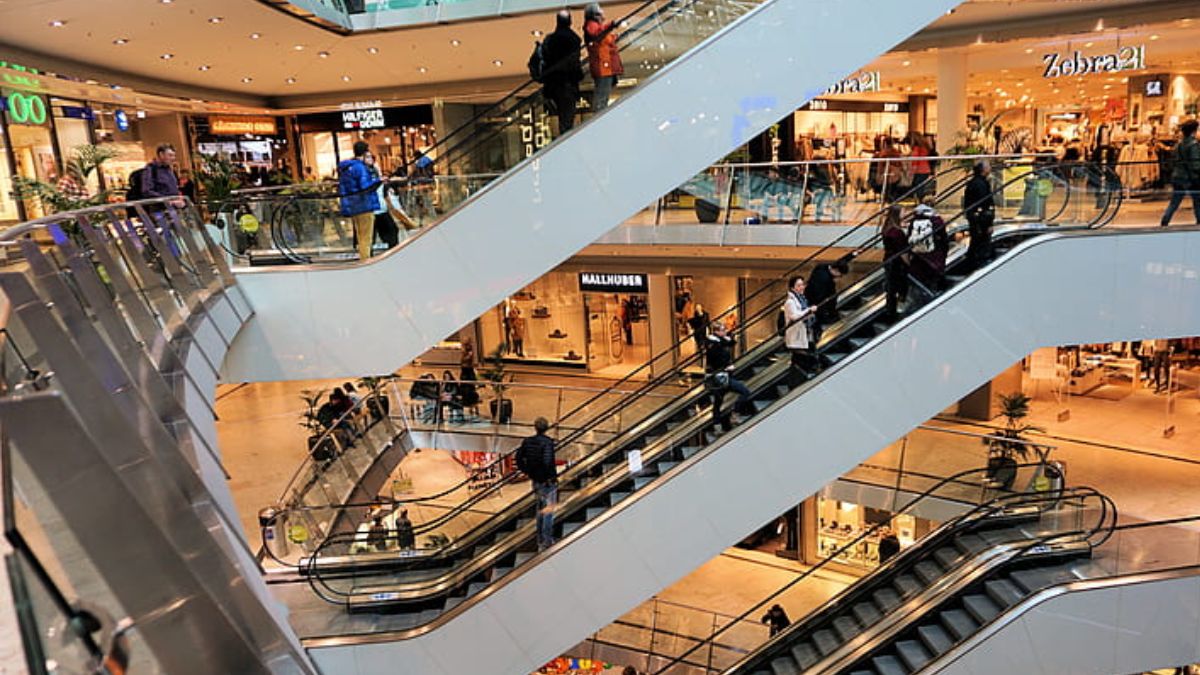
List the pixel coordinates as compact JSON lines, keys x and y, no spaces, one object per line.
{"x":799,"y":317}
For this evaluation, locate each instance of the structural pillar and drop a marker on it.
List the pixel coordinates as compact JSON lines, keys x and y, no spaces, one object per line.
{"x":951,"y":97}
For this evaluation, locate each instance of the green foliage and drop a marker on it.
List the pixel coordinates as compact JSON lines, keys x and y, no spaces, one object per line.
{"x":217,"y":176}
{"x":312,"y":402}
{"x":1011,"y":441}
{"x":69,"y":193}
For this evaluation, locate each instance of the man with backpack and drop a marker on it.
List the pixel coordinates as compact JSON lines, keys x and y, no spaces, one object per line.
{"x":535,"y":458}
{"x":157,"y":178}
{"x":1185,"y":172}
{"x":561,"y":70}
{"x":359,"y":200}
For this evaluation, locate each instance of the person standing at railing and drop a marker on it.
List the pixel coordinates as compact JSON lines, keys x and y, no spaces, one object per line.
{"x":385,"y":228}
{"x":980,"y":207}
{"x":562,"y":74}
{"x":799,"y":317}
{"x":359,"y":201}
{"x":1185,"y":172}
{"x":604,"y":58}
{"x":535,"y":458}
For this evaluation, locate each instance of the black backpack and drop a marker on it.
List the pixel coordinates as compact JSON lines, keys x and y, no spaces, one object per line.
{"x":537,"y":63}
{"x":134,"y":191}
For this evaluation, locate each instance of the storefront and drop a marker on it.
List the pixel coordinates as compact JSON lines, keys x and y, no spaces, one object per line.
{"x":395,"y":136}
{"x":257,"y":143}
{"x":839,"y":524}
{"x":30,"y":140}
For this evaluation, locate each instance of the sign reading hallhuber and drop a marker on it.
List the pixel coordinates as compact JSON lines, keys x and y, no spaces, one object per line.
{"x":1066,"y":65}
{"x":613,"y":283}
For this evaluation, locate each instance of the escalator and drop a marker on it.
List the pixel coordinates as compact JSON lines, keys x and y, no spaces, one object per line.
{"x":1035,"y":536}
{"x":569,"y":193}
{"x":429,"y":589}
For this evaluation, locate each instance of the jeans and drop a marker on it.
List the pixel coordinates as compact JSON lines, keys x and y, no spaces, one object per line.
{"x":1178,"y":192}
{"x":821,"y":197}
{"x":717,"y":396}
{"x":604,"y":87}
{"x":547,"y":498}
{"x":564,"y":105}
{"x":364,"y":232}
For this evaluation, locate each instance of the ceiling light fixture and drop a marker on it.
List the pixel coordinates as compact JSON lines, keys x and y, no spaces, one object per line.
{"x":215,"y":19}
{"x":167,"y":57}
{"x":1088,"y":44}
{"x":1154,"y":37}
{"x":323,"y":55}
{"x":57,"y":23}
{"x":121,"y":41}
{"x":422,"y":69}
{"x":247,"y":80}
{"x":345,"y":78}
{"x":255,"y":36}
{"x":906,"y":63}
{"x":455,"y":42}
{"x":1029,"y":50}
{"x":298,"y":48}
{"x":536,"y":33}
{"x":497,"y":62}
{"x":372,"y":50}
{"x":290,"y":80}
{"x":204,"y":68}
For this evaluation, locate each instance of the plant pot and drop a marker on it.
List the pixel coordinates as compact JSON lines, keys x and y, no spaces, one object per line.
{"x":1002,"y":471}
{"x":506,"y":410}
{"x":707,"y":211}
{"x":378,"y":407}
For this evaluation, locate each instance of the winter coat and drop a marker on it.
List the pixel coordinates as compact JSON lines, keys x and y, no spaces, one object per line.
{"x":604,"y":58}
{"x":354,"y":181}
{"x":560,"y":52}
{"x":1186,"y":163}
{"x":799,"y":321}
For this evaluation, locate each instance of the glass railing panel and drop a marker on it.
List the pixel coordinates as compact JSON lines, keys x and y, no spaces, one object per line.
{"x":54,"y":641}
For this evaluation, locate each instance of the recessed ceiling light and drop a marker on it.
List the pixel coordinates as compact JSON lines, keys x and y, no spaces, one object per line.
{"x":204,"y":68}
{"x":167,"y":57}
{"x":298,"y":48}
{"x":290,"y":80}
{"x":166,"y":2}
{"x":247,"y":80}
{"x":536,"y":33}
{"x":57,"y":23}
{"x":215,"y":19}
{"x":497,"y":62}
{"x":372,"y":50}
{"x":255,"y":36}
{"x":1154,"y":37}
{"x":906,"y":63}
{"x":1088,"y":44}
{"x":422,"y":69}
{"x":121,"y":41}
{"x":1029,"y":50}
{"x":455,"y":43}
{"x":345,"y":78}
{"x":323,"y":55}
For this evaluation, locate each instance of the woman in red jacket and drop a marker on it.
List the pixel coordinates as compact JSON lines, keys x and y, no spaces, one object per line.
{"x":604,"y":59}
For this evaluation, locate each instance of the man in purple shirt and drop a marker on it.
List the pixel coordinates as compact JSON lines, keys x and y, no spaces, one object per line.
{"x":158,"y":178}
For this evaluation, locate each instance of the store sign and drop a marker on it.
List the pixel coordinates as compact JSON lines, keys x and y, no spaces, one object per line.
{"x":364,"y":118}
{"x":359,"y":105}
{"x":25,"y":108}
{"x":613,"y":283}
{"x":22,"y":77}
{"x":236,"y":126}
{"x":76,"y":112}
{"x":863,"y":82}
{"x":1155,"y":87}
{"x":856,"y":106}
{"x":122,"y":120}
{"x":1125,"y":58}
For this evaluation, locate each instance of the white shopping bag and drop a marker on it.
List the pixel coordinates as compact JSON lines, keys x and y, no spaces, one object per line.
{"x":635,"y":461}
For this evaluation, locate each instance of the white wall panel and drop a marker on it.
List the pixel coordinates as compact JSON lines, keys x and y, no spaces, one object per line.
{"x":372,"y":318}
{"x":1055,"y":290}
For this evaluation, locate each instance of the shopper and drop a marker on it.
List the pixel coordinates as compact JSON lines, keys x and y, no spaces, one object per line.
{"x":821,"y":293}
{"x":604,"y":58}
{"x":516,"y":330}
{"x":562,"y":73}
{"x":698,"y":322}
{"x":980,"y":207}
{"x":799,"y":318}
{"x":820,"y":183}
{"x":535,"y":458}
{"x":1185,"y":172}
{"x":158,"y":179}
{"x":889,"y":545}
{"x":377,"y":537}
{"x":719,"y":379}
{"x":385,"y":228}
{"x":777,"y":619}
{"x":930,"y":245}
{"x":920,"y":166}
{"x":896,"y":261}
{"x":359,"y":200}
{"x":405,"y":537}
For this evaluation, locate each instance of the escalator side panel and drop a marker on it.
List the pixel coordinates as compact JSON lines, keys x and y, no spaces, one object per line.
{"x":379,"y":316}
{"x":871,"y":398}
{"x":1097,"y":627}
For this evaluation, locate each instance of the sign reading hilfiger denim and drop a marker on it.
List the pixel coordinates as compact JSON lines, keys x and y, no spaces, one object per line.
{"x":613,"y":283}
{"x":1125,"y":58}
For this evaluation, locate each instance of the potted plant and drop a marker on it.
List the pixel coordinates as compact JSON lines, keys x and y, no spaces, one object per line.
{"x":493,"y":372}
{"x":310,"y":420}
{"x":377,"y":403}
{"x":69,"y":192}
{"x":217,"y":176}
{"x":1009,"y":445}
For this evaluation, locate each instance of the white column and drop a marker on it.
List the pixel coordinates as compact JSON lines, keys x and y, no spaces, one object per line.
{"x":951,"y":97}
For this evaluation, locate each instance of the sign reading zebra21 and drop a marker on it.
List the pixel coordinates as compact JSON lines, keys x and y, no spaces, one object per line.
{"x":1125,"y":58}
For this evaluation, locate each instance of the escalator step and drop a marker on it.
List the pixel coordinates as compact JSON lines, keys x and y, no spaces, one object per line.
{"x":475,"y":587}
{"x":781,"y":390}
{"x":912,"y":653}
{"x":806,"y":655}
{"x":688,"y":450}
{"x":1003,"y":592}
{"x":959,"y":623}
{"x":907,"y":585}
{"x":981,"y":608}
{"x":427,"y":616}
{"x":847,"y":628}
{"x":1038,"y":578}
{"x":609,"y":467}
{"x":664,"y":467}
{"x":615,"y":498}
{"x":866,"y":613}
{"x":834,"y":357}
{"x":888,"y":665}
{"x":760,"y":406}
{"x":947,"y":557}
{"x":757,"y":369}
{"x":784,"y":666}
{"x":879,"y":327}
{"x":642,"y":481}
{"x":521,"y":558}
{"x":954,"y":279}
{"x":887,"y":599}
{"x":451,"y":603}
{"x":593,"y":511}
{"x":856,"y":343}
{"x":970,"y":543}
{"x":826,"y":641}
{"x":499,"y":572}
{"x":524,"y":522}
{"x":936,"y":639}
{"x":568,"y":528}
{"x":928,"y":571}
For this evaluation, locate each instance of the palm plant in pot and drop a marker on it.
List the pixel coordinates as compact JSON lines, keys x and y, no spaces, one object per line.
{"x":375,"y":400}
{"x":1010,"y":445}
{"x":501,"y":408}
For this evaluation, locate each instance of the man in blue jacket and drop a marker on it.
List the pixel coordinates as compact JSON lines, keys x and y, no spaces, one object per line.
{"x":356,"y":185}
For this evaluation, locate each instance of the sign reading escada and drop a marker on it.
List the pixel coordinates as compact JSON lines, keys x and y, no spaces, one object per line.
{"x":1125,"y":58}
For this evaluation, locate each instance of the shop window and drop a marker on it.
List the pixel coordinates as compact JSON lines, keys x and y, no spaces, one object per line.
{"x":543,"y":322}
{"x":8,"y":206}
{"x":839,"y":523}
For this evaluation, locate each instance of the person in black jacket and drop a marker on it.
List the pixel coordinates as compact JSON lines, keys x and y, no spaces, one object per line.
{"x":777,"y":618}
{"x":980,"y":208}
{"x":563,"y":72}
{"x":719,"y":377}
{"x":821,"y":292}
{"x":535,"y":457}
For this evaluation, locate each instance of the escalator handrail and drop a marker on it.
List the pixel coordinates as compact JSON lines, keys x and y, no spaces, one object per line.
{"x":982,"y":511}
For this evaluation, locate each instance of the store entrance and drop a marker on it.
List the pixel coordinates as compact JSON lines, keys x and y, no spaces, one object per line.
{"x":618,"y":332}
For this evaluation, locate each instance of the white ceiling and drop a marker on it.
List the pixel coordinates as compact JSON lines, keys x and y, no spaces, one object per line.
{"x":182,"y":28}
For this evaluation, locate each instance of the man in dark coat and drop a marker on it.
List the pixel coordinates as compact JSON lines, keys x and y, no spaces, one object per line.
{"x":535,"y":457}
{"x":563,"y":70}
{"x":821,"y":292}
{"x":980,"y":207}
